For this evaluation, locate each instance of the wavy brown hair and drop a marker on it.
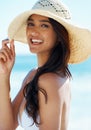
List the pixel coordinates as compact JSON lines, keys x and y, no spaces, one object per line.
{"x":57,"y":62}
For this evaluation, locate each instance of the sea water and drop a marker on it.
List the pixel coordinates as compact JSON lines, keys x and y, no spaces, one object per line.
{"x":80,"y":112}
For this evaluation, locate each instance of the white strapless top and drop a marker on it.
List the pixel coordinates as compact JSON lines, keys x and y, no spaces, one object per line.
{"x":26,"y":122}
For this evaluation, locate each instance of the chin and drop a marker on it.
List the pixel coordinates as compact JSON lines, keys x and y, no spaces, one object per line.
{"x":33,"y":51}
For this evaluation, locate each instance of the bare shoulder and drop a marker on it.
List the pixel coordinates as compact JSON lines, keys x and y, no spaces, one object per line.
{"x":53,"y":80}
{"x":54,"y":85}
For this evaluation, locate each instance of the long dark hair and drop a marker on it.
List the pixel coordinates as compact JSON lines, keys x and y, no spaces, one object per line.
{"x":57,"y":62}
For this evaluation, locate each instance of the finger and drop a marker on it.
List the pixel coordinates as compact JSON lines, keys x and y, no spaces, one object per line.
{"x":5,"y":42}
{"x":3,"y":57}
{"x":6,"y":53}
{"x":5,"y":39}
{"x":12,"y":47}
{"x":6,"y":48}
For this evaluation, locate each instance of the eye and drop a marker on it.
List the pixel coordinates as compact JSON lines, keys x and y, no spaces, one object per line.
{"x":30,"y":24}
{"x":44,"y":25}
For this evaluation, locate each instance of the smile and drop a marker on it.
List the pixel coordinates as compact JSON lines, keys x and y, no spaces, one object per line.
{"x":36,"y":41}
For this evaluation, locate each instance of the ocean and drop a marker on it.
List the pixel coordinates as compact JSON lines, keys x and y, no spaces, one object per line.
{"x":80,"y":112}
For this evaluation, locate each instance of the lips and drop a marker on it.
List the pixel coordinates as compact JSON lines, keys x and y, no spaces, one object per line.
{"x":36,"y":41}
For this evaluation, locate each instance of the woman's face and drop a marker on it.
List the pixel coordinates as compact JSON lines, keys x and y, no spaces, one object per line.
{"x":41,"y":36}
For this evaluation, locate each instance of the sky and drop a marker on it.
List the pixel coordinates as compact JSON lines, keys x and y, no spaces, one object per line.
{"x":80,"y":12}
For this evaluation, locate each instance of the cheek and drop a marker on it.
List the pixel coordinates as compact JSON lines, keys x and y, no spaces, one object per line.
{"x":52,"y":37}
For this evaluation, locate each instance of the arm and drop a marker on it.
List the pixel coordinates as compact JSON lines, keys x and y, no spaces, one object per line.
{"x":8,"y":110}
{"x":7,"y":58}
{"x":51,"y":112}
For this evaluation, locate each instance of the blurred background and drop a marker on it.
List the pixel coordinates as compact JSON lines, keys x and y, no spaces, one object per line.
{"x":80,"y":113}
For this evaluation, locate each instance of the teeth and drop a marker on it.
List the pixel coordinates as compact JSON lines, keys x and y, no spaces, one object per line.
{"x":35,"y":40}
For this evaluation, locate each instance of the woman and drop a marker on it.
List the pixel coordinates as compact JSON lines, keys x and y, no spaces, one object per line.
{"x":43,"y":102}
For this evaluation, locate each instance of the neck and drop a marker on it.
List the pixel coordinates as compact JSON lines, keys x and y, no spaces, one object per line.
{"x":42,"y":59}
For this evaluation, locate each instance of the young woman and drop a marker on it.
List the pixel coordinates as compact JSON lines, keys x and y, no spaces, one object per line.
{"x":43,"y":102}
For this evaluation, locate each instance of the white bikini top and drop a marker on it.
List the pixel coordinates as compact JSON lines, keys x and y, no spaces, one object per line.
{"x":26,"y":122}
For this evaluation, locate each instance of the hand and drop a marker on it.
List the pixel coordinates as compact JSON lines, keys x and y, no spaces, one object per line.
{"x":7,"y":56}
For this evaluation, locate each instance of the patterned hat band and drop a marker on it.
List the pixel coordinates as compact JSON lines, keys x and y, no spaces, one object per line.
{"x":53,"y":6}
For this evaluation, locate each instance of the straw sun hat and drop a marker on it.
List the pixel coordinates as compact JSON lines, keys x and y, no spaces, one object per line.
{"x":80,"y":39}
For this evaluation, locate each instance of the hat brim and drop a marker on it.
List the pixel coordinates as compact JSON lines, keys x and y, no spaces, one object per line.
{"x":80,"y":38}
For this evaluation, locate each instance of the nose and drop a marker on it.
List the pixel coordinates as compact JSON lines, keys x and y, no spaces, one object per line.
{"x":34,"y":32}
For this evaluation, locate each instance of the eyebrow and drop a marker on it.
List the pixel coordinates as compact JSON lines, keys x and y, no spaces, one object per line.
{"x":30,"y":19}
